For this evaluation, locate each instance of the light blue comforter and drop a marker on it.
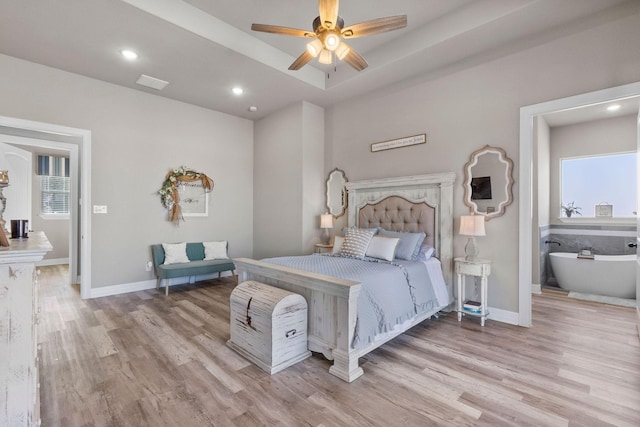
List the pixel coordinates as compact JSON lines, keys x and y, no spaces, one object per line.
{"x":392,"y":292}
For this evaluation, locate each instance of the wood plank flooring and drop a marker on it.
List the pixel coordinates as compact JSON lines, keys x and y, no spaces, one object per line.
{"x":143,"y":359}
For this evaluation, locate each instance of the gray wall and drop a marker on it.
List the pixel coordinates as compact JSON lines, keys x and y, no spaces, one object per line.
{"x":288,"y":181}
{"x":136,"y":139}
{"x":462,"y":110}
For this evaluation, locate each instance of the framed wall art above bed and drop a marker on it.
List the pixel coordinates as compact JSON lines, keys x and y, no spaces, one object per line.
{"x":414,"y":204}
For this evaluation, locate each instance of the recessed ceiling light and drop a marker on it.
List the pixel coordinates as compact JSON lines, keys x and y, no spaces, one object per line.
{"x":253,"y":108}
{"x":237,"y":90}
{"x":129,"y":54}
{"x":614,"y":107}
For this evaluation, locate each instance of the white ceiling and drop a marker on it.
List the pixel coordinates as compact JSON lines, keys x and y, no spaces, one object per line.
{"x":205,"y":47}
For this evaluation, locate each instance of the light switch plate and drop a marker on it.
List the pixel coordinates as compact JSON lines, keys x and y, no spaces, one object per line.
{"x":99,"y":209}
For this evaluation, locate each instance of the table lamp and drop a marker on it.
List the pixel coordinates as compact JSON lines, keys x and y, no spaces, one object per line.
{"x":326,"y":222}
{"x":471,"y":225}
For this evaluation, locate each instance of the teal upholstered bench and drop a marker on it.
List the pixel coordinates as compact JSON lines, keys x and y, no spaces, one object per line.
{"x":197,"y":265}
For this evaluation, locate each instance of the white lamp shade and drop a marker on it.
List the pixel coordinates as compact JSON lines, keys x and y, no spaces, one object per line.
{"x":331,"y":41}
{"x":326,"y":221}
{"x":326,"y":57}
{"x":342,"y":50}
{"x":472,"y":225}
{"x":314,"y":47}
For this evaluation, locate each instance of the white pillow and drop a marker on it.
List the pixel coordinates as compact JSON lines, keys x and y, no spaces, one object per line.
{"x":337,"y":244}
{"x":175,"y":253}
{"x":215,"y":250}
{"x":383,"y":247}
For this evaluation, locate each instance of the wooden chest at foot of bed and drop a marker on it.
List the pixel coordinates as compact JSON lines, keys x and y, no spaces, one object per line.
{"x":268,"y":325}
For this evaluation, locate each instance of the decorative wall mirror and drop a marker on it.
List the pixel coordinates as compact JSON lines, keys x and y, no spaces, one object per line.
{"x":336,"y":193}
{"x":488,"y":182}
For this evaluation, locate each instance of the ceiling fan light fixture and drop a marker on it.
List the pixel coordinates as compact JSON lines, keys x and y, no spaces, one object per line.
{"x":342,"y":50}
{"x":326,"y":57}
{"x":314,"y":47}
{"x":331,"y":41}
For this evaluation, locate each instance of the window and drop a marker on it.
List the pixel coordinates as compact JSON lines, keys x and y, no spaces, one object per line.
{"x":55,"y":184}
{"x":594,"y":180}
{"x":54,"y":194}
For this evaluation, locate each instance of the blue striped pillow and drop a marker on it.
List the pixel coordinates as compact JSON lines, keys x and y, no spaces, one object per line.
{"x":356,"y":241}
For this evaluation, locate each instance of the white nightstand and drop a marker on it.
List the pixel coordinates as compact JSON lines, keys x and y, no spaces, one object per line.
{"x":477,"y":268}
{"x":322,"y":248}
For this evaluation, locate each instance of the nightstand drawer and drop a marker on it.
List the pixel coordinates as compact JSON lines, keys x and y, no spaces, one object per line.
{"x":473,"y":268}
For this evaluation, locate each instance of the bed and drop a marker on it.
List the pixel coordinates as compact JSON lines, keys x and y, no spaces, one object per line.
{"x":413,"y":204}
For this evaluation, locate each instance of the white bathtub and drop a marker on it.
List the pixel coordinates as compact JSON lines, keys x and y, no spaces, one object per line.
{"x":610,"y":275}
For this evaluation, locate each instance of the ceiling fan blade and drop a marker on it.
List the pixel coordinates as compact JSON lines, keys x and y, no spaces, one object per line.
{"x":328,"y":12}
{"x":301,"y":61}
{"x":354,"y":59}
{"x":275,"y":29}
{"x":375,"y":26}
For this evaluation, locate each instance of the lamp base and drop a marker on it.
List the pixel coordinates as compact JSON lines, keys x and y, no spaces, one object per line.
{"x":470,"y":249}
{"x":325,"y":236}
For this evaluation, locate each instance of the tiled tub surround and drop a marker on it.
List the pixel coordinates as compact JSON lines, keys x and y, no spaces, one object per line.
{"x":600,"y":239}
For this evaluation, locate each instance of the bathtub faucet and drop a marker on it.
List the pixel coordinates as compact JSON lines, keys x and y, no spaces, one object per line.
{"x":548,"y":242}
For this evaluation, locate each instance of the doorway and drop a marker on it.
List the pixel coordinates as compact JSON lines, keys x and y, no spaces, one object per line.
{"x":526,"y":179}
{"x":78,"y":143}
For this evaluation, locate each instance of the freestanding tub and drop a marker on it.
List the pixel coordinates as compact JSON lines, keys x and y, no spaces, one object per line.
{"x":610,"y":275}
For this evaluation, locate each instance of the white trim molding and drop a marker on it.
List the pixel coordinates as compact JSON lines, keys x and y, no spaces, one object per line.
{"x":504,"y":316}
{"x":145,"y":285}
{"x":52,"y":261}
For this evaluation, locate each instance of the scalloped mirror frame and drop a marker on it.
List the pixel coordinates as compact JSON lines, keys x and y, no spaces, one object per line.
{"x":508,"y":175}
{"x":336,"y":193}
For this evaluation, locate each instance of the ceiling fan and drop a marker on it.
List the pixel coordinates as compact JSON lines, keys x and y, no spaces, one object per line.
{"x":328,"y":32}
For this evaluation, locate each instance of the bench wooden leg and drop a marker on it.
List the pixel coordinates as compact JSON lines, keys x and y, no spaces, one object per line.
{"x":166,"y":286}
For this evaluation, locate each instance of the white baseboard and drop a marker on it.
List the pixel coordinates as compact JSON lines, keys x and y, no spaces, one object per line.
{"x":145,"y":285}
{"x":536,"y":289}
{"x":504,"y":316}
{"x":124,"y":288}
{"x":52,"y":261}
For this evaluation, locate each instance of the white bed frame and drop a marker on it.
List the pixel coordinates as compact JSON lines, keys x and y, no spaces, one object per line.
{"x":332,"y":301}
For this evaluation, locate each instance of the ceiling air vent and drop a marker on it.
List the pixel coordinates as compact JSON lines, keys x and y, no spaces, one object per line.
{"x":151,"y":82}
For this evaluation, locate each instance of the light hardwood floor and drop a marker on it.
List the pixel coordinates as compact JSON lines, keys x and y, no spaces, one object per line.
{"x":143,"y":359}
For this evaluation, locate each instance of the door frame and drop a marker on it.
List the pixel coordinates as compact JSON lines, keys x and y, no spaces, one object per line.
{"x":526,"y":174}
{"x":78,"y":141}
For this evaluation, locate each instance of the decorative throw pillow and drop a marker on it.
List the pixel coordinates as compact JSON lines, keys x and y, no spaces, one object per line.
{"x":215,"y":250}
{"x":337,"y":244}
{"x":409,"y":245}
{"x":356,"y":241}
{"x":383,"y":247}
{"x":426,"y":252}
{"x":175,"y":253}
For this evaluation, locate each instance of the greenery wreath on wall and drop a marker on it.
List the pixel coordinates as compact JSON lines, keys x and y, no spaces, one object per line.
{"x":169,"y":195}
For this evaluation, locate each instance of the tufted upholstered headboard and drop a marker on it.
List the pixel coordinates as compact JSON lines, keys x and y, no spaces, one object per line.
{"x":396,"y":213}
{"x":410,"y":204}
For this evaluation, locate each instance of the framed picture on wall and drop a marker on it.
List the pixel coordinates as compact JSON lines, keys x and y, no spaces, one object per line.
{"x":604,"y":210}
{"x":194,"y":200}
